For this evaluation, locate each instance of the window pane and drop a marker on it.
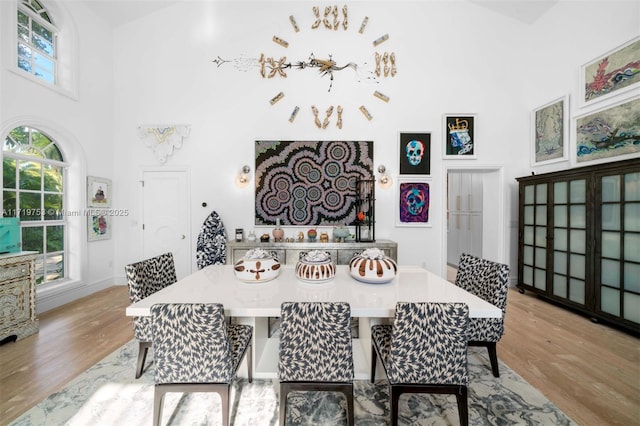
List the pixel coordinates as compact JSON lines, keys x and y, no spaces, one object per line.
{"x":30,"y":208}
{"x":632,"y":187}
{"x":610,"y":273}
{"x":23,"y":19}
{"x":632,"y":217}
{"x":39,"y":140}
{"x":632,"y":277}
{"x":632,"y":307}
{"x":52,"y":206}
{"x":53,"y":153}
{"x":8,"y":173}
{"x":528,"y":215}
{"x":541,"y":193}
{"x":560,"y":192}
{"x":23,"y":34}
{"x":610,"y":188}
{"x":30,"y":175}
{"x":560,"y":216}
{"x":9,"y":203}
{"x":578,"y":241}
{"x":578,"y":217}
{"x":45,"y":75}
{"x":576,"y":291}
{"x":577,"y":266}
{"x":541,"y":215}
{"x":528,"y":194}
{"x":560,"y":285}
{"x":560,"y":239}
{"x":55,"y":238}
{"x":610,"y":301}
{"x":611,"y":245}
{"x":560,"y":263}
{"x":55,"y":267}
{"x":632,"y":247}
{"x":577,"y":193}
{"x":611,"y":217}
{"x":32,"y":238}
{"x":52,"y":178}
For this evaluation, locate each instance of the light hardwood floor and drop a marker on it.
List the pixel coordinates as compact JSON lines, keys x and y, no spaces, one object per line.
{"x":589,"y":370}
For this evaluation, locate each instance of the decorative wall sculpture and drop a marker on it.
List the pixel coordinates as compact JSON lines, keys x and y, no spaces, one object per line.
{"x":309,"y":182}
{"x":163,"y":138}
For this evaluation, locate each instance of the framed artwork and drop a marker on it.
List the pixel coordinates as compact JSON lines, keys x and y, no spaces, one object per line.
{"x":309,"y":183}
{"x":609,"y":134}
{"x":549,"y":132}
{"x":415,"y":153}
{"x":98,"y":192}
{"x":413,"y":202}
{"x":611,"y":74}
{"x":459,"y":134}
{"x":98,"y":225}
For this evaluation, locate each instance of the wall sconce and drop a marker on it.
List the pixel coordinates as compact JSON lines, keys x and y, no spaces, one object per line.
{"x":384,"y":180}
{"x":243,"y":178}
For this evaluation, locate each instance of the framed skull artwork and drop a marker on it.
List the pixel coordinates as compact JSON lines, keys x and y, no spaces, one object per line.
{"x":414,"y":202}
{"x":415,"y":153}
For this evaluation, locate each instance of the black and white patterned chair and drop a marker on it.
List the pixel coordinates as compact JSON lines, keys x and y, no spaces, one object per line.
{"x":195,"y":350}
{"x":489,"y":281}
{"x":316,"y":351}
{"x":211,"y":248}
{"x":145,"y":278}
{"x":424,"y":351}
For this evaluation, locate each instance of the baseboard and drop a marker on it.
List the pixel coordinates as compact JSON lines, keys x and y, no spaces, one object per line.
{"x":53,"y":298}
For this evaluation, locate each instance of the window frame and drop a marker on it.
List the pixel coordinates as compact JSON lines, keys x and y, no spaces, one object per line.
{"x":49,"y":26}
{"x":42,"y":222}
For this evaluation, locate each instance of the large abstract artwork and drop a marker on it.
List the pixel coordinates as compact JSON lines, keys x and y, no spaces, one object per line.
{"x":612,"y":133}
{"x":611,"y":74}
{"x":310,"y":182}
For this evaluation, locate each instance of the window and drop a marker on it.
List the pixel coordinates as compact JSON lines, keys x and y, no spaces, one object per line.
{"x":37,"y":40}
{"x":33,"y":171}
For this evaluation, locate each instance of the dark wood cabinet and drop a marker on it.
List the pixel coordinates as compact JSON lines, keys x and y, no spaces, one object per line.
{"x":579,"y":240}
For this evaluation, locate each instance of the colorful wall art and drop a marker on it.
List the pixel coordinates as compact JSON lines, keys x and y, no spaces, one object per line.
{"x":309,"y":182}
{"x":413,"y":203}
{"x":612,"y":133}
{"x":459,"y":131}
{"x":415,"y":153}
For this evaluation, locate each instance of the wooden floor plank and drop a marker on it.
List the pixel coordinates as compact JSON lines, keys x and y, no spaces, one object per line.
{"x":589,"y":370}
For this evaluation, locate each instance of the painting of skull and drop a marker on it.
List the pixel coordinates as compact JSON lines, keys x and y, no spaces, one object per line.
{"x":413,"y":203}
{"x":415,"y":153}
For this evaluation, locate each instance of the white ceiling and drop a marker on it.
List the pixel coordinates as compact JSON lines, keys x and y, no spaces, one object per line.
{"x":120,"y":12}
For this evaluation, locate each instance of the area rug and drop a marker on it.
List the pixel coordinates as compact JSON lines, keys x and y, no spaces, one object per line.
{"x":108,"y":394}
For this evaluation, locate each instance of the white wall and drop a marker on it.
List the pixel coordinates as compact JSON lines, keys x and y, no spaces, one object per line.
{"x":453,"y":57}
{"x":82,"y":123}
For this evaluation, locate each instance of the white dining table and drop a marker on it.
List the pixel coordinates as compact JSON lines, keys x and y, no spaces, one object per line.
{"x":254,"y":303}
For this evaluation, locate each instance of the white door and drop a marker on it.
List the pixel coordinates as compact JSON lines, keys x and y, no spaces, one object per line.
{"x":165,"y":215}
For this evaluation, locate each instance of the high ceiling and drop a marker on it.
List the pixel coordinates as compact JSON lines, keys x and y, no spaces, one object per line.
{"x":120,"y":12}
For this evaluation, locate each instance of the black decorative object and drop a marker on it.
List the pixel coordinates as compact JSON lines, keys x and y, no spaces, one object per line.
{"x":365,"y":210}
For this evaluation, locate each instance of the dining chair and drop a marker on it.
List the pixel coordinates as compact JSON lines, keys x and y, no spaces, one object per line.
{"x":424,"y":351}
{"x":145,"y":278}
{"x":316,"y":351}
{"x":489,"y":281}
{"x":196,"y":350}
{"x":211,"y":248}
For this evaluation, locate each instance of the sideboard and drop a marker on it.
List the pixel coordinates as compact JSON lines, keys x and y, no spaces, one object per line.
{"x":18,"y":295}
{"x":289,"y":252}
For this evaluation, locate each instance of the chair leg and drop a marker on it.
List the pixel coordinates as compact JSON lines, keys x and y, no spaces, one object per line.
{"x":493,"y":357}
{"x":224,"y":401}
{"x":249,"y":362}
{"x":143,"y":348}
{"x":158,"y":401}
{"x":374,"y":356}
{"x":394,"y":401}
{"x":350,"y":413}
{"x":284,"y":390}
{"x":463,"y":409}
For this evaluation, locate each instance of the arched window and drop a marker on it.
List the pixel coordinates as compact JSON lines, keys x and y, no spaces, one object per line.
{"x":33,"y":171}
{"x":37,"y":41}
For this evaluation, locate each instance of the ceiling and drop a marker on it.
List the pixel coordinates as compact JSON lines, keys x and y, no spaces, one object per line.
{"x":120,"y":12}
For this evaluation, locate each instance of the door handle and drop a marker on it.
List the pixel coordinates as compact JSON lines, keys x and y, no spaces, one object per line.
{"x":182,"y":237}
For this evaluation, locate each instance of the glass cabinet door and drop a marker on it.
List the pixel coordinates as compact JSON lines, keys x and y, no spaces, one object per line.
{"x":618,"y":279}
{"x":534,"y":250}
{"x":569,"y":280}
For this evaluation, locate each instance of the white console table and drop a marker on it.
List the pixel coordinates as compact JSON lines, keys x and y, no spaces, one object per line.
{"x":253,"y":303}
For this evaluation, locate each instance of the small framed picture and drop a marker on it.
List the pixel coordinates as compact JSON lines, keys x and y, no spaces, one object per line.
{"x":459,"y":132}
{"x":413,"y":202}
{"x":550,"y":132}
{"x":415,"y":153}
{"x":610,"y":74}
{"x":98,"y":226}
{"x":98,"y":192}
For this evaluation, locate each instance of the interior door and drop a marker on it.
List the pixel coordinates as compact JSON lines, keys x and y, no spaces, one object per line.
{"x":166,"y":213}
